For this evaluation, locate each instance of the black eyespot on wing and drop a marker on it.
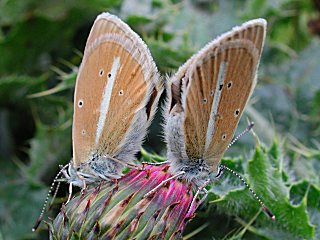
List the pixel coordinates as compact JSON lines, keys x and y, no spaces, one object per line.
{"x":237,"y":112}
{"x":224,"y":137}
{"x":80,"y":103}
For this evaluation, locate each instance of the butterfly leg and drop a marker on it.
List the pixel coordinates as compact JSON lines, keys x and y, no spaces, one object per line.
{"x":194,"y":200}
{"x":55,"y":194}
{"x":58,"y":181}
{"x":200,"y":189}
{"x":163,"y":183}
{"x":144,"y":164}
{"x":129,"y":165}
{"x":205,"y":191}
{"x":84,"y":188}
{"x":70,"y":193}
{"x":155,"y":163}
{"x":133,"y":166}
{"x":69,"y":175}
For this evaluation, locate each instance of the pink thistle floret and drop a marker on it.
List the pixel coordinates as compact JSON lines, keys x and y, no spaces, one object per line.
{"x":126,"y":209}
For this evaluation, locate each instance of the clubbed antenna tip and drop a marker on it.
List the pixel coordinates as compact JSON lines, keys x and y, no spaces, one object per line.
{"x":36,"y":225}
{"x":269,"y":213}
{"x":250,"y":126}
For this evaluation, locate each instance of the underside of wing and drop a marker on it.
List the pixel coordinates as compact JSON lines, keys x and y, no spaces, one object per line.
{"x":217,"y":93}
{"x":117,"y":85}
{"x":215,"y":85}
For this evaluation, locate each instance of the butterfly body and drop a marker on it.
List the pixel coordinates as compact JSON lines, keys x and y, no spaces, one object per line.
{"x":206,"y":99}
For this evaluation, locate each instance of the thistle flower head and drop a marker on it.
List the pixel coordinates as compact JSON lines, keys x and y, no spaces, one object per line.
{"x":123,"y":209}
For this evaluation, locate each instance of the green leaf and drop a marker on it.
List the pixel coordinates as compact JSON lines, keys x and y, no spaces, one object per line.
{"x":51,"y":145}
{"x":166,"y":57}
{"x":137,"y":20}
{"x":308,"y":193}
{"x":15,"y":89}
{"x":20,"y":202}
{"x":67,"y":82}
{"x":292,"y":221}
{"x":264,"y":177}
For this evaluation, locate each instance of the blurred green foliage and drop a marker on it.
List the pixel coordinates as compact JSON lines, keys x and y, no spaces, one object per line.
{"x":40,"y":43}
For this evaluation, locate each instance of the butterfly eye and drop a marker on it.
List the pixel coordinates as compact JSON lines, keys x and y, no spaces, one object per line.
{"x":80,"y":103}
{"x":224,"y":137}
{"x":229,"y":85}
{"x":109,"y":75}
{"x":204,"y":101}
{"x":237,"y":112}
{"x":121,"y":92}
{"x":101,"y":72}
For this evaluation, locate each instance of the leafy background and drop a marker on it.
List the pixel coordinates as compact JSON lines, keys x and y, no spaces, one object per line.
{"x":40,"y":48}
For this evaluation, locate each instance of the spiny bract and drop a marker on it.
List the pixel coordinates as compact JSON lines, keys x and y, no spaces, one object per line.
{"x":120,"y":210}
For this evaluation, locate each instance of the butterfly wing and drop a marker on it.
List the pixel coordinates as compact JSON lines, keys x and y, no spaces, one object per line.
{"x":215,"y":85}
{"x":117,"y":91}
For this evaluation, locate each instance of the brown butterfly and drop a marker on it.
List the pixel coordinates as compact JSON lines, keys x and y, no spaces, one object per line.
{"x":117,"y":92}
{"x":116,"y":96}
{"x":206,"y":99}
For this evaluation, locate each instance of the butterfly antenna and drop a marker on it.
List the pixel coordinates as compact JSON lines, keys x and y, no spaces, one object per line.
{"x":264,"y":207}
{"x":250,"y":126}
{"x":55,"y":194}
{"x":55,"y":180}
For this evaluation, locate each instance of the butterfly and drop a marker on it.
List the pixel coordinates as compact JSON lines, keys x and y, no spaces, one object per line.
{"x":116,"y":96}
{"x":117,"y":91}
{"x":206,"y":98}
